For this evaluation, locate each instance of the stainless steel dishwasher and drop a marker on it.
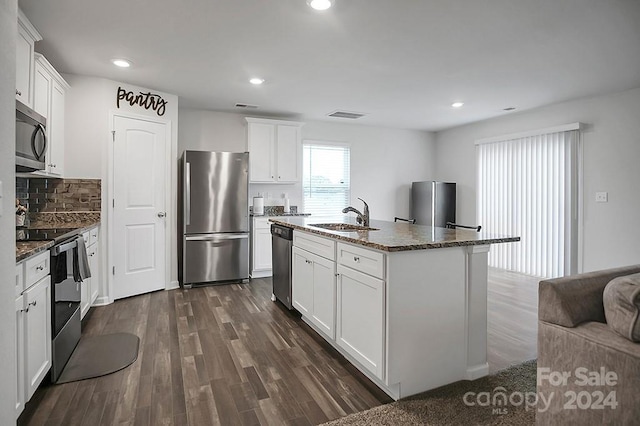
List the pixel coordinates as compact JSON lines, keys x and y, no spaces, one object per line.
{"x":281,"y":248}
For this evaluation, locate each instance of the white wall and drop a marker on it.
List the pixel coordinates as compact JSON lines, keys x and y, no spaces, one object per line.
{"x":8,"y":377}
{"x":384,"y":161}
{"x":611,"y":163}
{"x":88,"y":104}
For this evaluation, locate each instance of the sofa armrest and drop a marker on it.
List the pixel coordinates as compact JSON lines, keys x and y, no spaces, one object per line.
{"x":569,"y":301}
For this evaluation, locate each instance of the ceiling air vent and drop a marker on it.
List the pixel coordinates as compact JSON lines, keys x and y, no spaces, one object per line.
{"x":346,"y":114}
{"x":248,"y":106}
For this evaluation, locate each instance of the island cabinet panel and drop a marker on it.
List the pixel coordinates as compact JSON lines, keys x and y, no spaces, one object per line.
{"x":302,"y":282}
{"x":323,"y":247}
{"x":324,"y":295}
{"x":426,"y":318}
{"x":361,"y":259}
{"x":360,"y":318}
{"x":314,"y":290}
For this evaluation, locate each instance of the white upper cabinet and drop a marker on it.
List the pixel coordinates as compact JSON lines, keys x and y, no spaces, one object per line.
{"x":274,"y":150}
{"x":49,"y":101}
{"x":27,"y":36}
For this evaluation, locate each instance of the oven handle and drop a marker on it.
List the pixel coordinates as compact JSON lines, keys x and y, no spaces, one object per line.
{"x":56,"y":250}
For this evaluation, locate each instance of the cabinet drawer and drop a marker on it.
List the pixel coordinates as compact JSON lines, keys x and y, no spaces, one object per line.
{"x":19,"y":278}
{"x":363,"y":260}
{"x":93,"y":235}
{"x":36,"y":268}
{"x":318,"y":245}
{"x":262,"y":223}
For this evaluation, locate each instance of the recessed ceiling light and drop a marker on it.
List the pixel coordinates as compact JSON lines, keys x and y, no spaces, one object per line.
{"x":122,"y":63}
{"x":257,"y":81}
{"x":320,"y":4}
{"x":457,"y":104}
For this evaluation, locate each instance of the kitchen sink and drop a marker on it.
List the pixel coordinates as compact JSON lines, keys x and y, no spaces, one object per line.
{"x":347,"y":227}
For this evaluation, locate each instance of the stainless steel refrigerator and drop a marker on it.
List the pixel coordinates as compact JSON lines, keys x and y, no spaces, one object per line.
{"x":213,"y":225}
{"x":433,"y":203}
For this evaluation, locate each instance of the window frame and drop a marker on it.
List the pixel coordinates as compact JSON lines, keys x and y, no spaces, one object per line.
{"x":318,"y":142}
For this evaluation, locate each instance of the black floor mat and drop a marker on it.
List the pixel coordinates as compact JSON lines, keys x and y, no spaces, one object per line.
{"x":100,"y":355}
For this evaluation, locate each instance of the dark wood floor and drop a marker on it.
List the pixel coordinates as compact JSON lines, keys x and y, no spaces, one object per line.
{"x":228,"y":355}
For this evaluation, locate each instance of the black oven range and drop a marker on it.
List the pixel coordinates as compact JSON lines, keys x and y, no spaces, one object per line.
{"x":65,"y":290}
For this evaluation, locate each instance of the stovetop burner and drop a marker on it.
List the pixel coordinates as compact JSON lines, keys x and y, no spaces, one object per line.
{"x":55,"y":234}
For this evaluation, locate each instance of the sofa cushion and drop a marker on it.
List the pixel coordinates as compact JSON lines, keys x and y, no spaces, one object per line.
{"x":622,"y":306}
{"x":572,"y":300}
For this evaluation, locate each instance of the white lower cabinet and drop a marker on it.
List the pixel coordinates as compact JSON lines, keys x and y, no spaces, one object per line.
{"x":37,"y":334}
{"x":90,"y":287}
{"x":360,"y":318}
{"x":33,"y":326}
{"x":340,"y":290}
{"x":94,"y":265}
{"x":20,"y":394}
{"x":302,"y":282}
{"x":261,"y":263}
{"x":314,"y":289}
{"x":262,"y":250}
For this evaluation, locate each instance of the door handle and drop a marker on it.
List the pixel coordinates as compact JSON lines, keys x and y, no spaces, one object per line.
{"x":187,"y":193}
{"x":162,"y":214}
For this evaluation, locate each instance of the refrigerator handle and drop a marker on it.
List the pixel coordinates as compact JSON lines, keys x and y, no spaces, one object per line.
{"x":187,"y":193}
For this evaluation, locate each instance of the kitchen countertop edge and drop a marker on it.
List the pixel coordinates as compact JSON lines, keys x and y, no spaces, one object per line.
{"x":336,"y":235}
{"x":26,"y":249}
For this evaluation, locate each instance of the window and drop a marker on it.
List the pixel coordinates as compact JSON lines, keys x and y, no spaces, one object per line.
{"x":325,"y":177}
{"x":528,"y":187}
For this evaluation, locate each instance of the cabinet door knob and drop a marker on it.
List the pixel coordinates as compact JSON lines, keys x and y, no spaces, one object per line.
{"x":32,"y":304}
{"x":356,"y":259}
{"x":40,"y":268}
{"x":19,"y":93}
{"x":25,"y":310}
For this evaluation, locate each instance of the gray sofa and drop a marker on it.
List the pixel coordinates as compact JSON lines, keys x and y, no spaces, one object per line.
{"x":601,"y":382}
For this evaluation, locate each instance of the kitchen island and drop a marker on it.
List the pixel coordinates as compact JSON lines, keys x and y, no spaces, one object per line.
{"x":406,"y":304}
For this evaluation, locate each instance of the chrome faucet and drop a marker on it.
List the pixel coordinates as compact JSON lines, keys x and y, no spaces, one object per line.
{"x":363,"y":218}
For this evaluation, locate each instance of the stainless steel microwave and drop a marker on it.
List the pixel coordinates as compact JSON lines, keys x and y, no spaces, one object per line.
{"x":31,"y":139}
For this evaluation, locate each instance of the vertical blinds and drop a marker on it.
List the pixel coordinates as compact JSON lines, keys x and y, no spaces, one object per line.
{"x":325,"y":178}
{"x":528,"y":187}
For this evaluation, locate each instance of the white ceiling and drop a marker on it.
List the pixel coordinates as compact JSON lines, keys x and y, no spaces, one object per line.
{"x":403,"y":62}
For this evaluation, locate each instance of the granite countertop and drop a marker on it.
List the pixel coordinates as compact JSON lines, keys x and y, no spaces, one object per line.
{"x":392,"y":236}
{"x":25,"y":249}
{"x":279,"y":214}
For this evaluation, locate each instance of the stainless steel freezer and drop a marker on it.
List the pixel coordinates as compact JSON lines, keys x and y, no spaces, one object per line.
{"x":214,"y":218}
{"x":433,"y":203}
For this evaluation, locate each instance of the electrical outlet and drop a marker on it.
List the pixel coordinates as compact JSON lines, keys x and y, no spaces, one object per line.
{"x":602,"y":197}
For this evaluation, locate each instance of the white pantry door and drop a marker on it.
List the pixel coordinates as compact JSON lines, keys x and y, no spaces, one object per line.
{"x":139,"y":212}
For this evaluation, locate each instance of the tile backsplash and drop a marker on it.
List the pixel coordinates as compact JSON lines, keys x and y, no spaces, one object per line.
{"x":44,"y":195}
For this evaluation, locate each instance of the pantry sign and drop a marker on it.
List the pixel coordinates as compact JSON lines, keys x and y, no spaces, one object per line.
{"x":148,"y":100}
